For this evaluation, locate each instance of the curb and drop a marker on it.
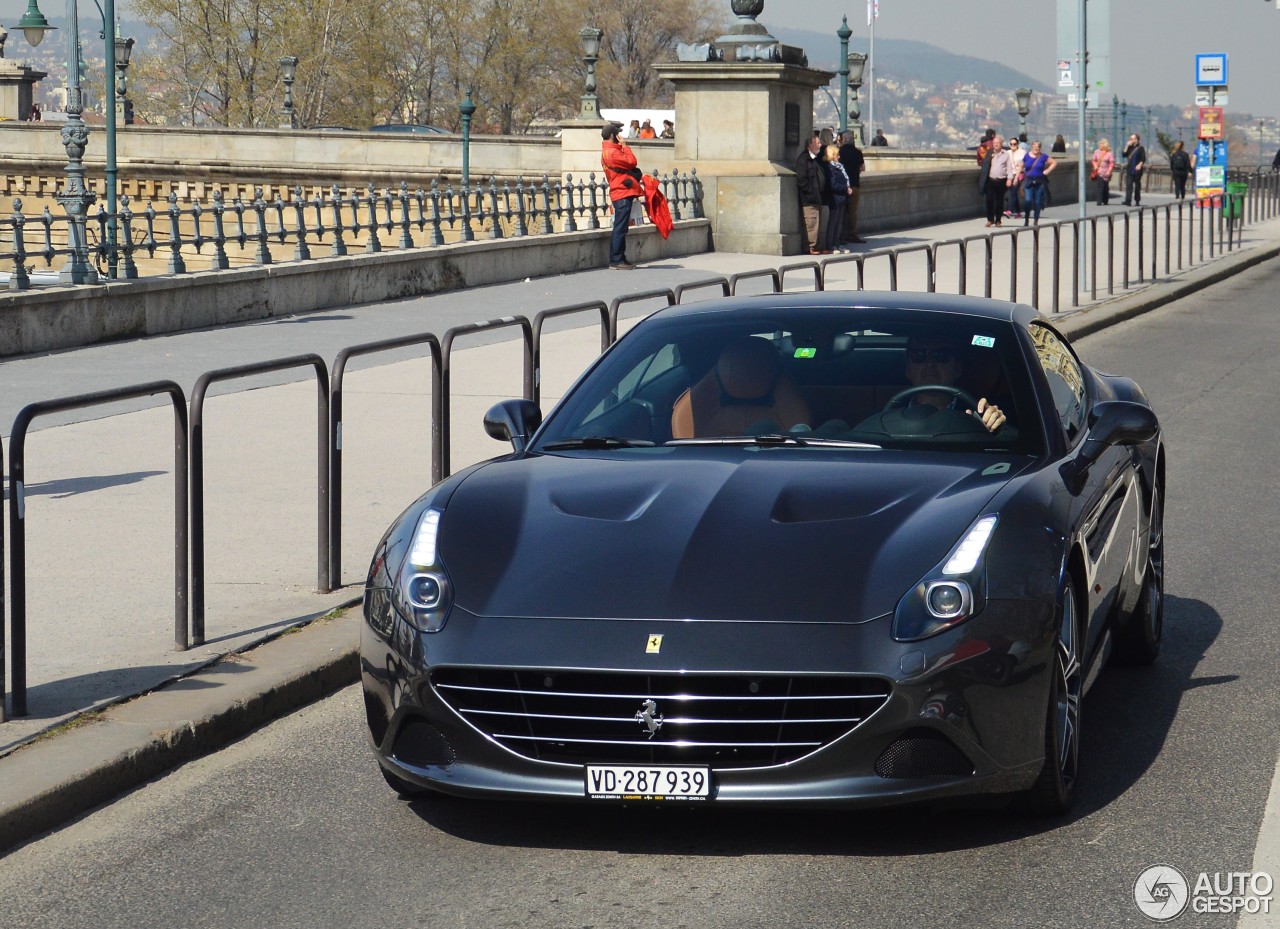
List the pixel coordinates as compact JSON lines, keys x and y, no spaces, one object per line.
{"x":51,"y":781}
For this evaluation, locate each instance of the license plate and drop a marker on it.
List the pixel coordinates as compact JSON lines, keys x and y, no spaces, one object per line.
{"x":647,"y":782}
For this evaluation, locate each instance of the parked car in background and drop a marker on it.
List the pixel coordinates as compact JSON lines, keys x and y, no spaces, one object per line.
{"x":411,"y":128}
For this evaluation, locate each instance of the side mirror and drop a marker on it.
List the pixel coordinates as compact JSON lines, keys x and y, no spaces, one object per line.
{"x":1112,"y":422}
{"x":513,"y":421}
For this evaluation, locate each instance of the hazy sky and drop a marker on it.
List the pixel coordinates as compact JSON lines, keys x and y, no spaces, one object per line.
{"x":1153,"y":42}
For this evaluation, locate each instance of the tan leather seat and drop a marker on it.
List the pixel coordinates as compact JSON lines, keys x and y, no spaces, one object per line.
{"x":745,"y":388}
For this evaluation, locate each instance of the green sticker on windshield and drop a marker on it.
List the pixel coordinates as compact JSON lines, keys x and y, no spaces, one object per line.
{"x":806,"y":353}
{"x":984,"y":341}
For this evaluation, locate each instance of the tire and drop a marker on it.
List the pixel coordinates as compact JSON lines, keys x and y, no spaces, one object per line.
{"x":1055,"y":789}
{"x":1138,"y":641}
{"x":406,"y":790}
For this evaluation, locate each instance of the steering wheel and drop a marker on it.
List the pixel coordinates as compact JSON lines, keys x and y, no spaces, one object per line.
{"x":901,"y":397}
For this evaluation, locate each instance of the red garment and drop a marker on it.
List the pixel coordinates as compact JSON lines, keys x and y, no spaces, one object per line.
{"x":655,"y":204}
{"x":621,"y":169}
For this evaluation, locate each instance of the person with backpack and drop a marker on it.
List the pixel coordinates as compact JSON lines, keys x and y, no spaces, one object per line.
{"x":1179,"y":169}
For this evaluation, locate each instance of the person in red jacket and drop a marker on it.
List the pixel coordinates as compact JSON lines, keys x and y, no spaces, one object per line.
{"x":623,"y":173}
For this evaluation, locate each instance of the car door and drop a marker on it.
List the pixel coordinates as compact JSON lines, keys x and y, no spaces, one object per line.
{"x":1105,"y":513}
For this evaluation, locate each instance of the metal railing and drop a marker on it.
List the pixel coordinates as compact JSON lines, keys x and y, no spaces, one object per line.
{"x":198,"y":394}
{"x":1185,"y":225}
{"x":18,"y":513}
{"x":265,"y":230}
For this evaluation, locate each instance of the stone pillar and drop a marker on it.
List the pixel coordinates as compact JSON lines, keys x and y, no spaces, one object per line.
{"x":17,"y":82}
{"x":742,"y":125}
{"x":580,"y":148}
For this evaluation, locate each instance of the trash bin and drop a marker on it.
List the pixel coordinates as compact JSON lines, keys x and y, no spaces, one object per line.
{"x":1234,"y":207}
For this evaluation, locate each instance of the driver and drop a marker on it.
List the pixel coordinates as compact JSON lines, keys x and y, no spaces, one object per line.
{"x":932,"y":360}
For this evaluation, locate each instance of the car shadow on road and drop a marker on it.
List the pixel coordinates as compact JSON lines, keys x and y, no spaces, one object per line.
{"x":1127,"y":718}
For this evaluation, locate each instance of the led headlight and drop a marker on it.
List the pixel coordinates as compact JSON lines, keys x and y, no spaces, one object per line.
{"x":423,"y":591}
{"x":951,"y":592}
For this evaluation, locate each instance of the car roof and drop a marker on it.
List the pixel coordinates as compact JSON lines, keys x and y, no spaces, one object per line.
{"x":906,"y":301}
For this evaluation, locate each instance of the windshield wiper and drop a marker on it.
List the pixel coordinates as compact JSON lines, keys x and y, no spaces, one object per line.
{"x":596,"y":441}
{"x":776,"y":440}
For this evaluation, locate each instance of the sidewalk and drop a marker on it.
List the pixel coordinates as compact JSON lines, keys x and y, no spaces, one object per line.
{"x":100,"y":508}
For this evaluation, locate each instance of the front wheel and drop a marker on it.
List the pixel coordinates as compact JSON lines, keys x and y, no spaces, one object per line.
{"x":1054,"y":790}
{"x":1138,"y":641}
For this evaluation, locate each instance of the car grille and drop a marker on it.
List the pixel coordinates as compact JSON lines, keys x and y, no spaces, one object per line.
{"x":725,"y":721}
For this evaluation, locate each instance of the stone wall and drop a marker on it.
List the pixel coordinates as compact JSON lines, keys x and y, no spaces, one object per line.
{"x":53,"y":318}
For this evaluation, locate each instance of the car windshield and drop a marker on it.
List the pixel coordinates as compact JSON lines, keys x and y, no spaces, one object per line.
{"x":814,"y":377}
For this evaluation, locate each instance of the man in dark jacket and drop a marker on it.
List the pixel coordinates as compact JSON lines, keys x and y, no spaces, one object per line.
{"x":622,"y":171}
{"x":811,"y":181}
{"x":1133,"y":168}
{"x":854,"y":165}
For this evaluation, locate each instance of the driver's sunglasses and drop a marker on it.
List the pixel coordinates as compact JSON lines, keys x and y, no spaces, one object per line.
{"x":939,"y":355}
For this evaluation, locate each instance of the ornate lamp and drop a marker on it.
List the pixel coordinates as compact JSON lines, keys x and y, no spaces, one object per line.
{"x":590,"y":37}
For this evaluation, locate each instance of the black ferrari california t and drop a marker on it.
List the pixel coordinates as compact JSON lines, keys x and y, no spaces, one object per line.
{"x":815,"y":549}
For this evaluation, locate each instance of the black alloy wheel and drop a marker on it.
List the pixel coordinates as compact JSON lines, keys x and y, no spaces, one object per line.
{"x":1138,"y":641}
{"x":1054,"y":790}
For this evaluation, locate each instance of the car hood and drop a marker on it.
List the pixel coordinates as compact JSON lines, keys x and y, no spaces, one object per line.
{"x":727,"y":534}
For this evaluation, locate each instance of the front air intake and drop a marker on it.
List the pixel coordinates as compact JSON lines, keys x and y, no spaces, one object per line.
{"x":421,"y":745}
{"x":721,"y":720}
{"x":923,"y":753}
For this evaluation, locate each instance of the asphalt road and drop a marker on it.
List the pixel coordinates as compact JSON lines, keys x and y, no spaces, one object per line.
{"x":294,"y":827}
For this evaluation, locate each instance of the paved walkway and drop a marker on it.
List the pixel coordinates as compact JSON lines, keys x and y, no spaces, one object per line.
{"x":99,"y":494}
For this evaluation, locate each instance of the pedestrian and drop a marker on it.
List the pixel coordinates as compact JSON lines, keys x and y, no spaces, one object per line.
{"x":994,"y":179}
{"x":1014,"y":207}
{"x":1275,"y":162}
{"x":34,"y":115}
{"x":646,"y":131}
{"x":811,"y":183}
{"x":634,"y":131}
{"x":1135,"y":163}
{"x":1059,"y":144}
{"x":841,"y":189}
{"x":984,"y":145}
{"x":1179,"y":169}
{"x":826,"y":137}
{"x":668,"y":130}
{"x":1102,"y":164}
{"x":1036,"y":168}
{"x":880,"y":141}
{"x":623,"y":173}
{"x":854,"y":164}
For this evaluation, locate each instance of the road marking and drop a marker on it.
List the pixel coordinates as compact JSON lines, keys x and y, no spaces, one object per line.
{"x":1266,"y":855}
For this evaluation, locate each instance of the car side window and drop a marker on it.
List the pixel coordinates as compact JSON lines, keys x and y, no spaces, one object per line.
{"x":1066,"y":379}
{"x":649,"y":368}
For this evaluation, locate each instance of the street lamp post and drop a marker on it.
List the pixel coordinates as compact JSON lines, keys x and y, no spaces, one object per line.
{"x":857,"y":62}
{"x":76,"y":198}
{"x":1023,"y":97}
{"x":844,"y":32}
{"x":590,"y":37}
{"x":124,"y":106}
{"x":466,"y":109}
{"x":288,"y":72}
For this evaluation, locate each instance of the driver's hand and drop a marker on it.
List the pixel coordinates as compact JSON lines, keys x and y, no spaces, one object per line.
{"x":991,"y":415}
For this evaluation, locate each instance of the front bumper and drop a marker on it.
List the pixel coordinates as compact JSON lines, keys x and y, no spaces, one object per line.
{"x":981,"y":688}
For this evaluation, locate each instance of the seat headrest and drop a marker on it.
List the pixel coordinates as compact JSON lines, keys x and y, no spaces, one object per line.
{"x":748,"y":368}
